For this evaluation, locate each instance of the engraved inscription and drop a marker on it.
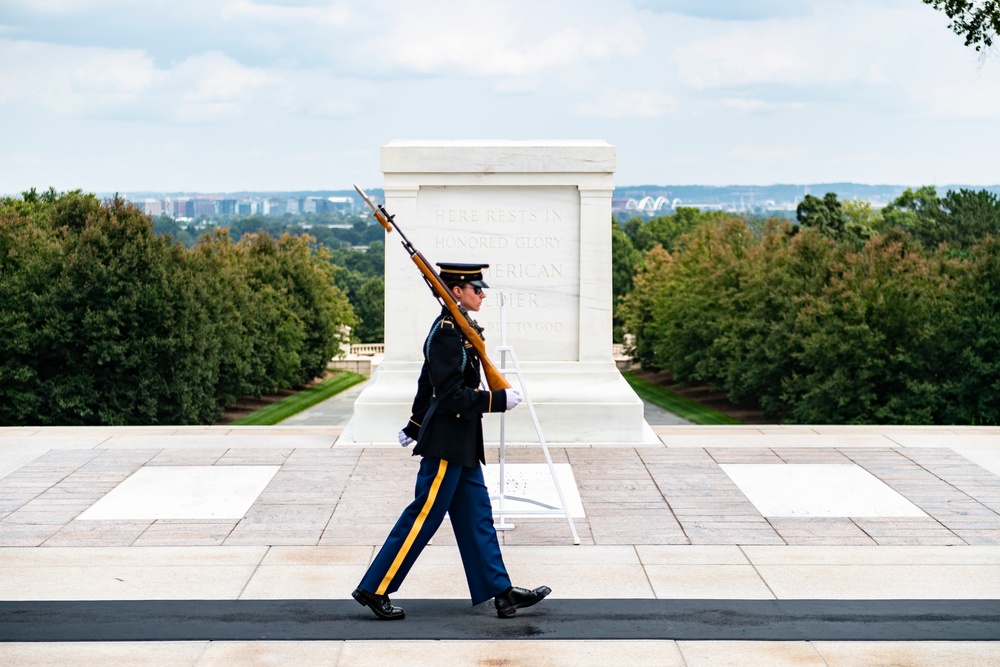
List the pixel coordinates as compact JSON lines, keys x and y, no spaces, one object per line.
{"x":472,"y":215}
{"x":456,"y":215}
{"x":513,"y":299}
{"x":531,"y":270}
{"x":471,"y":242}
{"x":524,"y":326}
{"x":530,"y":239}
{"x":498,"y":242}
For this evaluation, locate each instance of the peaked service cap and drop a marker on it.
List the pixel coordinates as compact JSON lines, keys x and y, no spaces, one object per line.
{"x":456,"y":274}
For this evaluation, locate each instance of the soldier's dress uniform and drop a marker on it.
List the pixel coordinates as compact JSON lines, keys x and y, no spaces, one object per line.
{"x":446,"y":423}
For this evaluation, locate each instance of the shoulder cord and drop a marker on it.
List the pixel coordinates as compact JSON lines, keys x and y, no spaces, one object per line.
{"x":427,"y":344}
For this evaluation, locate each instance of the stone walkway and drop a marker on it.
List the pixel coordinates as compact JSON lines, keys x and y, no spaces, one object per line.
{"x":714,"y":513}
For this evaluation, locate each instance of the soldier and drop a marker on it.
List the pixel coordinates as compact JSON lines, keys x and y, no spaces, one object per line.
{"x":447,"y":425}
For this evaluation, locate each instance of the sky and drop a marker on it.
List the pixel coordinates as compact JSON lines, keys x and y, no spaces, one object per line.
{"x":244,"y":95}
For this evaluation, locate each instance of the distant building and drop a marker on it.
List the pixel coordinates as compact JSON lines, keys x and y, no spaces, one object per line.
{"x":204,"y":207}
{"x":227,"y":207}
{"x":340,"y":204}
{"x":183,"y":208}
{"x":313,"y":205}
{"x":153,"y":207}
{"x":276,"y":206}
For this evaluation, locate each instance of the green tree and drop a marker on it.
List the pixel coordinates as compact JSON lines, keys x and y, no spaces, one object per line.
{"x":370,"y":308}
{"x":972,"y":216}
{"x":683,"y":301}
{"x":825,"y":215}
{"x":360,"y":275}
{"x":106,"y":351}
{"x":960,"y":219}
{"x":876,"y":343}
{"x":625,"y":261}
{"x":861,"y":220}
{"x":107,"y":322}
{"x":302,"y":306}
{"x":636,"y":309}
{"x":164,"y":224}
{"x":218,"y":278}
{"x":821,"y":331}
{"x":977,"y":22}
{"x":667,"y":230}
{"x":975,"y":369}
{"x":917,"y":212}
{"x":760,"y":348}
{"x":30,"y":261}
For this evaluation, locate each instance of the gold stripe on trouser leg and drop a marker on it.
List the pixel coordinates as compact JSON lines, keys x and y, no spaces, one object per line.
{"x":415,"y":529}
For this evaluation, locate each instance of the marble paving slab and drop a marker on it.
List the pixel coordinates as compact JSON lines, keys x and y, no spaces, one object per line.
{"x":818,"y":489}
{"x":533,"y":481}
{"x":184,"y":492}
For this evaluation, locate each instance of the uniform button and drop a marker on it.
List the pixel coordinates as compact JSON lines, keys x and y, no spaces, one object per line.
{"x":458,"y":416}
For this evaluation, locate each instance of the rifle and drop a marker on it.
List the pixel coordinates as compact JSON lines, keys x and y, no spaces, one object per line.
{"x":469,"y":327}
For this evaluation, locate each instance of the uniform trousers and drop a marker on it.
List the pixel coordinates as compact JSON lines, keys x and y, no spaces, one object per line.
{"x":461,"y":492}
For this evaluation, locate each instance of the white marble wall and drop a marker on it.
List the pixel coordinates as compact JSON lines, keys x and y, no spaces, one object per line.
{"x":539,"y":213}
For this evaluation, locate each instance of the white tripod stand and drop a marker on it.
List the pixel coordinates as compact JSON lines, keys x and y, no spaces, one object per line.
{"x":503,"y":350}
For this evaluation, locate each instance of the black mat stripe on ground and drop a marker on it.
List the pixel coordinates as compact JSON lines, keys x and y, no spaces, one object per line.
{"x":176,"y":620}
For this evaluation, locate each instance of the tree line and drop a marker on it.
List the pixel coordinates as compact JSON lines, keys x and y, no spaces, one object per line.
{"x":357,"y":253}
{"x":852,"y":316}
{"x":107,"y":322}
{"x":331,"y":229}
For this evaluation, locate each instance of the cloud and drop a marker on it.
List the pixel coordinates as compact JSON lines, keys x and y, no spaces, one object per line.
{"x":73,"y":80}
{"x":728,"y":10}
{"x":742,"y":57}
{"x":755,"y":10}
{"x":494,"y":40}
{"x":214,"y":87}
{"x":261,"y":34}
{"x":57,"y":7}
{"x":760,"y":154}
{"x":318,"y":93}
{"x":117,"y":83}
{"x":271,"y":14}
{"x":752,"y":105}
{"x":860,"y":58}
{"x":517,"y":85}
{"x":629,"y":104}
{"x":970,"y":101}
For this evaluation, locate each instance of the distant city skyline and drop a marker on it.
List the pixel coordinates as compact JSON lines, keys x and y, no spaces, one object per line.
{"x":281,"y":95}
{"x":645,"y":199}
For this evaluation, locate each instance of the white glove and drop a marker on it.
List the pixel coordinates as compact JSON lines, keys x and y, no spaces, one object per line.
{"x":513,"y":398}
{"x":405,"y":440}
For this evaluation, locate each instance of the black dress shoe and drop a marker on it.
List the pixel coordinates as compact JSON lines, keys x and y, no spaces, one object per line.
{"x":512,"y":599}
{"x":379,"y":604}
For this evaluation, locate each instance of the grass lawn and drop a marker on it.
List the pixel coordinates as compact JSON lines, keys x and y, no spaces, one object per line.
{"x":298,"y":402}
{"x":680,"y":406}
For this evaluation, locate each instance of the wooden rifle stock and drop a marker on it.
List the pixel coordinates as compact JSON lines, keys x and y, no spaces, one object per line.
{"x":494,"y":378}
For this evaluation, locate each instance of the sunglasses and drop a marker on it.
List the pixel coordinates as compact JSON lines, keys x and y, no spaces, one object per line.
{"x":477,"y":289}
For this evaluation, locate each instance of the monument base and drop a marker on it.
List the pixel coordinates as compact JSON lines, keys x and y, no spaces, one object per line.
{"x":538,"y":213}
{"x":576,"y":403}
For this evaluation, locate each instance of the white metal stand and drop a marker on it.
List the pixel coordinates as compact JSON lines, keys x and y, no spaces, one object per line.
{"x":502,"y":351}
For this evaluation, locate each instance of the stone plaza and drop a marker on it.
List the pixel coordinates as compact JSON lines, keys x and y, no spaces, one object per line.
{"x":698,"y":526}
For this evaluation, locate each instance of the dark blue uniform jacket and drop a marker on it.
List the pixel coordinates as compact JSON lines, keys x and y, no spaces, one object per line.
{"x":447,"y":414}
